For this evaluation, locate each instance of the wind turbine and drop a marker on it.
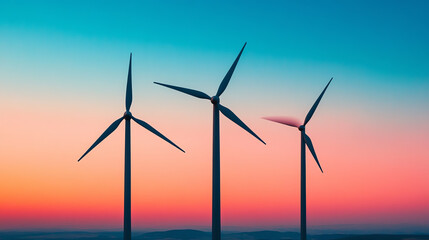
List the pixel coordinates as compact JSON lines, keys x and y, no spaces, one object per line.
{"x":305,"y":140}
{"x":127,"y":180}
{"x":216,"y":226}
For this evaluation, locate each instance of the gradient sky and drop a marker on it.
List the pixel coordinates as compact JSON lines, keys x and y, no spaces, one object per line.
{"x":63,"y":68}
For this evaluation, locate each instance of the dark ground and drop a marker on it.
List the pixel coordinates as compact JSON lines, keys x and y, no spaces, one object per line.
{"x":200,"y":235}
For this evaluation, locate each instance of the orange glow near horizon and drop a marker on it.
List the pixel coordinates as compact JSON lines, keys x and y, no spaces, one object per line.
{"x":372,"y":175}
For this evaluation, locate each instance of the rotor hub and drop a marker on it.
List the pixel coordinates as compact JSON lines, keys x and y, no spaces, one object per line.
{"x":301,"y":128}
{"x":127,"y":115}
{"x":215,"y":100}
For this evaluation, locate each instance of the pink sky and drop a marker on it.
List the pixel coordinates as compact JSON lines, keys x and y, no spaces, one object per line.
{"x":375,"y":172}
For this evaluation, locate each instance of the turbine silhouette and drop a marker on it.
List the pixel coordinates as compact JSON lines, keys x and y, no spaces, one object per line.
{"x":127,"y":179}
{"x":305,"y":140}
{"x":216,"y":225}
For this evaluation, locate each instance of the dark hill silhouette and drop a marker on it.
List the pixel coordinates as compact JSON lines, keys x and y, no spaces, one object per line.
{"x":386,"y":237}
{"x":266,"y":235}
{"x":186,"y":234}
{"x":189,"y":234}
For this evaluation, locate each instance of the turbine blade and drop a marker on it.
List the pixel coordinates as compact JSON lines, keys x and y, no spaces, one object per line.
{"x":106,"y":133}
{"x":154,"y":131}
{"x":188,"y":91}
{"x":310,"y":146}
{"x":284,"y":120}
{"x":129,"y":94}
{"x":229,"y":114}
{"x":228,"y":75}
{"x":311,"y":112}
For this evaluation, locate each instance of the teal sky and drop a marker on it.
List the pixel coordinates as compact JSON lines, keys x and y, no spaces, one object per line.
{"x":386,"y":38}
{"x":377,"y":51}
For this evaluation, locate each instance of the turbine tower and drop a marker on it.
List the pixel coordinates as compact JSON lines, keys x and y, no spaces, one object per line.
{"x":215,"y":100}
{"x":305,"y":140}
{"x":127,"y":180}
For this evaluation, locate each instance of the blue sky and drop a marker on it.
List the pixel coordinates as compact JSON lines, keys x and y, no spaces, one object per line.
{"x":386,"y":36}
{"x":377,"y":50}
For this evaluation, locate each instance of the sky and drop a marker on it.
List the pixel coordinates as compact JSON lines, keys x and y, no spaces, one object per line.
{"x":63,"y":69}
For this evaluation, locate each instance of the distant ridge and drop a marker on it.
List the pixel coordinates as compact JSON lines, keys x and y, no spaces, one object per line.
{"x":386,"y":237}
{"x":266,"y":235}
{"x":185,"y":234}
{"x":189,"y":234}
